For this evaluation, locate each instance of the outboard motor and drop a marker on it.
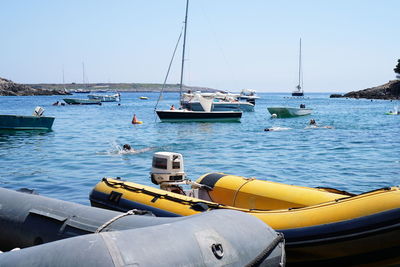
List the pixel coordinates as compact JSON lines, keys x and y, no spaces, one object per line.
{"x":38,"y":112}
{"x":167,"y":167}
{"x":168,"y":172}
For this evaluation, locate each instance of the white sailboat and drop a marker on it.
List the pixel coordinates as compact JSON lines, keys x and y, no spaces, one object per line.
{"x":286,"y":111}
{"x":185,"y":115}
{"x":83,"y":90}
{"x":299,"y":88}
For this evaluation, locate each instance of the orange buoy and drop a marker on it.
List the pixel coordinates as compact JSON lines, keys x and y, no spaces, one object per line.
{"x":135,"y":120}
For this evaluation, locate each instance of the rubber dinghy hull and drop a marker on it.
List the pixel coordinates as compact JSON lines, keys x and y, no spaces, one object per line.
{"x":13,"y":122}
{"x":320,"y":225}
{"x":214,"y":238}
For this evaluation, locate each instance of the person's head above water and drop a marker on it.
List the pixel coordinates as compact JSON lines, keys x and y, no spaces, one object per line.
{"x":127,"y":147}
{"x":312,"y":122}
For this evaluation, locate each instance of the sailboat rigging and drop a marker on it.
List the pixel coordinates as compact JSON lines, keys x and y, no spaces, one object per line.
{"x":299,"y":87}
{"x":169,"y":68}
{"x":288,"y":111}
{"x":84,"y":89}
{"x":185,"y":115}
{"x":183,"y":52}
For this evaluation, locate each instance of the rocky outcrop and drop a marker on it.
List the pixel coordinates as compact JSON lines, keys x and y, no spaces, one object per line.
{"x":9,"y":88}
{"x":336,"y":96}
{"x":390,"y":90}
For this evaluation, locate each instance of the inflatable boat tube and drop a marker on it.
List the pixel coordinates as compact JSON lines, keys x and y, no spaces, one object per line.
{"x":214,"y":238}
{"x":28,"y":219}
{"x":321,"y":225}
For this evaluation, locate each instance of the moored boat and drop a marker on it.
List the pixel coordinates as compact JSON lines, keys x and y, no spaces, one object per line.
{"x":183,"y":115}
{"x":248,"y":95}
{"x":106,"y":98}
{"x":187,"y":114}
{"x":320,"y":225}
{"x":299,"y":88}
{"x":288,"y":112}
{"x":58,"y":233}
{"x":35,"y":122}
{"x":80,"y":101}
{"x":81,"y":91}
{"x":221,"y":102}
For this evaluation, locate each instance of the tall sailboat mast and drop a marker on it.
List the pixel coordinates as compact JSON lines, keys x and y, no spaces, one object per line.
{"x":83,"y":73}
{"x":63,"y":78}
{"x":300,"y":85}
{"x":183,"y":52}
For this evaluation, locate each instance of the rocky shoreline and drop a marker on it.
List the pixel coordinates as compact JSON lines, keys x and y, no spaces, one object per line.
{"x":9,"y":88}
{"x":387,"y":91}
{"x":120,"y":87}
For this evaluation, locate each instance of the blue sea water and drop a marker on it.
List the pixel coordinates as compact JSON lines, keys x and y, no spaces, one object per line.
{"x":361,"y":153}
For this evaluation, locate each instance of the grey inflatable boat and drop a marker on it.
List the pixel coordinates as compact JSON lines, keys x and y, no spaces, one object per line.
{"x":57,"y":233}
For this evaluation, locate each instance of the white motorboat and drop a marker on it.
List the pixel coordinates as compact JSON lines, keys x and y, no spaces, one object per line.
{"x":288,"y":112}
{"x":221,"y":102}
{"x":106,"y":98}
{"x":248,"y":95}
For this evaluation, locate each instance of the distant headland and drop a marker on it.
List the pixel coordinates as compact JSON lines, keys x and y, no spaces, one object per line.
{"x":388,"y":91}
{"x":9,"y":88}
{"x":120,"y":87}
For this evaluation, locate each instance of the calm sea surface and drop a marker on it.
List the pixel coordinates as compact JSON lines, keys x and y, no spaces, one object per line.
{"x":361,"y":153}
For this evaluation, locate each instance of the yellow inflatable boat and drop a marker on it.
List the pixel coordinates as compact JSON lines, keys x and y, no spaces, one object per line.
{"x":321,"y":226}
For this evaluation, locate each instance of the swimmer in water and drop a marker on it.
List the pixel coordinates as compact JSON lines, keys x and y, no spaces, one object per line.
{"x":276,"y":129}
{"x":313,"y":124}
{"x":127,"y":147}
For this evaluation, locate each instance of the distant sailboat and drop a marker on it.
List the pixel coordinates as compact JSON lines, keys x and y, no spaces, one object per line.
{"x":63,"y":80}
{"x":299,"y":88}
{"x":290,"y":111}
{"x":185,"y":115}
{"x":83,"y":90}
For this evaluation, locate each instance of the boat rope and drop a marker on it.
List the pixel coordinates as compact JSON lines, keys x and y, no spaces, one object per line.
{"x":267,"y":251}
{"x":238,"y":190}
{"x":169,"y":68}
{"x":129,"y":212}
{"x":161,"y":196}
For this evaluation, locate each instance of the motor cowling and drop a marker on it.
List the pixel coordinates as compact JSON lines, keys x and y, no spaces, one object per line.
{"x":167,"y":167}
{"x":38,"y":112}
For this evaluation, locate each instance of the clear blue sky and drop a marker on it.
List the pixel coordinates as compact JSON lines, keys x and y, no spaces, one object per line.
{"x":347,"y":44}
